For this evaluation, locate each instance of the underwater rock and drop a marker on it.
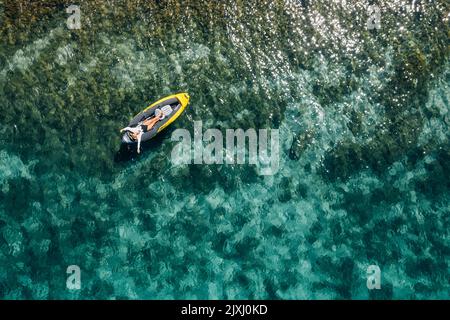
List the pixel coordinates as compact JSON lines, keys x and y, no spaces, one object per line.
{"x":300,"y":143}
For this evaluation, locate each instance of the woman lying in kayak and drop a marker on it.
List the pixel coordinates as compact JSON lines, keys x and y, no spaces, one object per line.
{"x":144,"y":126}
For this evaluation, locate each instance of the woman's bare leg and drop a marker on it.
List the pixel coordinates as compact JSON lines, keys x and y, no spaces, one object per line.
{"x":151,"y":123}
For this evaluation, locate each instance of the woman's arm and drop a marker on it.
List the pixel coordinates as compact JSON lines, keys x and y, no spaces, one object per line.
{"x":139,"y":142}
{"x":134,"y":130}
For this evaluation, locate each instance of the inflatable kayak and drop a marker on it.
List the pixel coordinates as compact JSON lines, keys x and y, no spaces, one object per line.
{"x":171,"y":106}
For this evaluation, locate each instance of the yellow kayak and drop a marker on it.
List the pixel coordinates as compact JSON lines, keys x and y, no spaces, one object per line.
{"x":171,"y":106}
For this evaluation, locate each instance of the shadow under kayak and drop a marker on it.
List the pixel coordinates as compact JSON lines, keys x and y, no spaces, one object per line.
{"x":177,"y":102}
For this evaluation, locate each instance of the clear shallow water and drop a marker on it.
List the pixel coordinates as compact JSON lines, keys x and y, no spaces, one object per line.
{"x":363,"y":118}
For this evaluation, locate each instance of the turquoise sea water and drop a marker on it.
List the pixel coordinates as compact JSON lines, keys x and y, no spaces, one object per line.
{"x":364,"y":165}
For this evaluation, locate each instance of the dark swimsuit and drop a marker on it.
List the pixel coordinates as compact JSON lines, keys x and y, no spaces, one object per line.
{"x":144,"y":127}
